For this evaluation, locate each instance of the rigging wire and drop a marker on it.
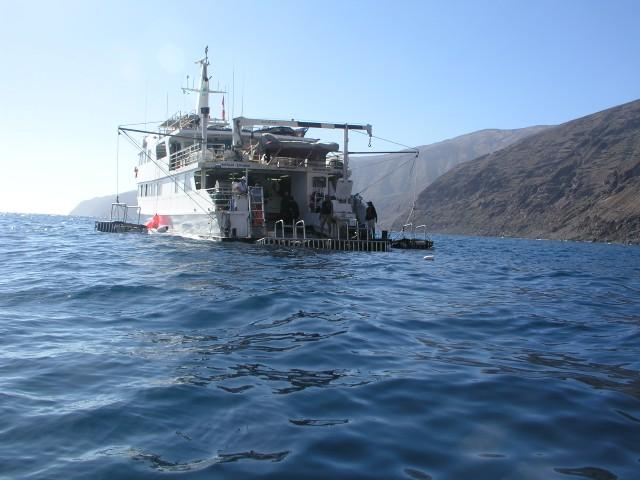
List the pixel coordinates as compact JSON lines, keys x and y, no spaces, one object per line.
{"x":384,"y":176}
{"x":386,"y":140}
{"x":140,"y":123}
{"x":413,"y":163}
{"x":413,"y":205}
{"x":118,"y":168}
{"x":413,"y":160}
{"x":376,"y":163}
{"x":168,"y":174}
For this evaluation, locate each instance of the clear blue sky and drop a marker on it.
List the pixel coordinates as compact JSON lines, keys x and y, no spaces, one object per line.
{"x":419,"y":71}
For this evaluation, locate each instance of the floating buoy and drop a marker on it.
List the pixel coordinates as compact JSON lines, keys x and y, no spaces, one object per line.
{"x":429,"y":257}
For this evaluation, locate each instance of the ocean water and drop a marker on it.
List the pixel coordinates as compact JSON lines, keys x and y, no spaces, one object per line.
{"x":149,"y":356}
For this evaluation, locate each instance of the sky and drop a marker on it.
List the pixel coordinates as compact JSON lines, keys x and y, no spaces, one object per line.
{"x":418,"y":71}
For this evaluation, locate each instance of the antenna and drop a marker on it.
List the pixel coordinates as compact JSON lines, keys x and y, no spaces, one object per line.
{"x":146,"y":92}
{"x":242,"y":97}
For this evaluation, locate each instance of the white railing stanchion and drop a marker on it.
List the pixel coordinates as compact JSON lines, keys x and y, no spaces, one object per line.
{"x":275,"y":228}
{"x":304,"y":230}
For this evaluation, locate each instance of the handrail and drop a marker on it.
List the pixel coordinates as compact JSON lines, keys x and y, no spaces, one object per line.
{"x":425,"y":230}
{"x":295,"y":230}
{"x":184,"y":157}
{"x":275,"y":228}
{"x":117,"y":208}
{"x":407,"y":225}
{"x":189,"y":155}
{"x":221,"y":197}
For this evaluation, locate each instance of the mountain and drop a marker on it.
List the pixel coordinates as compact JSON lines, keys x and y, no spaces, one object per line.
{"x":578,"y":181}
{"x":100,"y":207}
{"x":388,"y":180}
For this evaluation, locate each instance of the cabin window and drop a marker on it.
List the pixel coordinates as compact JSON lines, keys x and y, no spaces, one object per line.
{"x":176,"y":180}
{"x":197,"y":177}
{"x":161,"y":150}
{"x":159,"y":189}
{"x":146,"y":189}
{"x":187,"y":182}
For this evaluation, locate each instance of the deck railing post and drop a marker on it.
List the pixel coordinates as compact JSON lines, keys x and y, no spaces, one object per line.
{"x":275,"y":228}
{"x":295,"y":229}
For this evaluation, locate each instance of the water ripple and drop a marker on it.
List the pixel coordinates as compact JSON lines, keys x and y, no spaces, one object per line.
{"x":133,"y":356}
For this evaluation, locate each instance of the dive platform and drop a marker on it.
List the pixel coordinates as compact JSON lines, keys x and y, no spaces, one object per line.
{"x":119,"y":222}
{"x":114,"y":226}
{"x":328,"y":244}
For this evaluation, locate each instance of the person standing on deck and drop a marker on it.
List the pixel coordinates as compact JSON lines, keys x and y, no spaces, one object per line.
{"x":294,"y":210}
{"x":326,"y":214}
{"x":371,"y":217}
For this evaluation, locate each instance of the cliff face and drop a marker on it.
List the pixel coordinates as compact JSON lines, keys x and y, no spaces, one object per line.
{"x":578,"y":181}
{"x":394,"y":192}
{"x":100,"y":207}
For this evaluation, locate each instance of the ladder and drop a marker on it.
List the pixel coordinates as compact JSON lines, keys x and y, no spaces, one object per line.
{"x":256,"y":211}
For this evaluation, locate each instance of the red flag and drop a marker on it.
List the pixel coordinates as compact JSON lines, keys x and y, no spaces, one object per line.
{"x":223,"y":109}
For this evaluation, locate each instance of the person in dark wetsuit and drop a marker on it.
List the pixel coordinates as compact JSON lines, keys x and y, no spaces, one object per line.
{"x":294,"y":210}
{"x":285,"y":209}
{"x":326,"y":214}
{"x":371,"y":217}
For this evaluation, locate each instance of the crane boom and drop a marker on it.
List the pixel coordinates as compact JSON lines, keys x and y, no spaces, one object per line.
{"x":240,"y":122}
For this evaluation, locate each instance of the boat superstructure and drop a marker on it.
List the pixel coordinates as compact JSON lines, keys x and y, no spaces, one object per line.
{"x":242,"y":179}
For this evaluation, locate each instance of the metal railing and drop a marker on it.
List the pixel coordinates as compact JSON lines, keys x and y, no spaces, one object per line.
{"x":120,"y":212}
{"x":221,"y":198}
{"x":425,"y":231}
{"x":328,"y":244}
{"x":295,"y":229}
{"x":289,"y":162}
{"x":191,"y":154}
{"x":184,"y":157}
{"x":275,"y":228}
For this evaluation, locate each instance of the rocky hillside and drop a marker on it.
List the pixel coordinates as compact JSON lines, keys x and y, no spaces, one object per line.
{"x":100,"y":207}
{"x":394,"y":191}
{"x":579,"y":181}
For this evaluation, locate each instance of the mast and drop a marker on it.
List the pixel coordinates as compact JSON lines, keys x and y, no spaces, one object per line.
{"x":345,"y":155}
{"x":202,"y":104}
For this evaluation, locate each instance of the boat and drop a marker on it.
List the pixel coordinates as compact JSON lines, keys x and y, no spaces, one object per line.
{"x":247,"y":178}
